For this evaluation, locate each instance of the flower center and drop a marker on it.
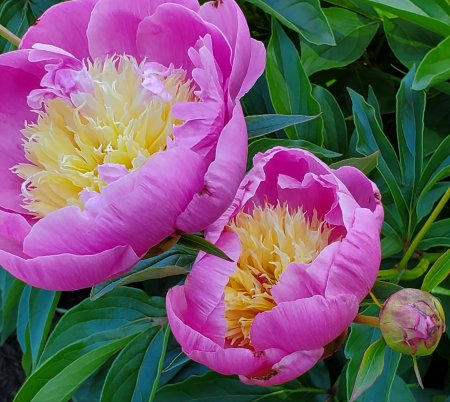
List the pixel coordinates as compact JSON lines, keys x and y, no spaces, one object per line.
{"x":271,"y":239}
{"x":92,"y":137}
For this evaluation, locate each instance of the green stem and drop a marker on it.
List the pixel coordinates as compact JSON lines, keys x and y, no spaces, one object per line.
{"x":9,"y":36}
{"x":407,"y":275}
{"x":367,"y":320}
{"x":412,"y":247}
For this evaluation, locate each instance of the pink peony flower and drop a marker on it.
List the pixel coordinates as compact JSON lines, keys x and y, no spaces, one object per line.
{"x":121,"y":124}
{"x":307,"y":245}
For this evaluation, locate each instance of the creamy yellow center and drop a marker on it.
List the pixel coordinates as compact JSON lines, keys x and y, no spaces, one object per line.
{"x":271,"y":238}
{"x":119,"y":122}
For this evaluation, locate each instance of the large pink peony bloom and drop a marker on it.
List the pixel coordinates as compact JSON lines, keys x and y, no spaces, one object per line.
{"x":306,"y":241}
{"x":120,"y":124}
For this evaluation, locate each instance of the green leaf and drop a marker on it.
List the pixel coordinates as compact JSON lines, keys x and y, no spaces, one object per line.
{"x":391,"y":245}
{"x":428,"y":14}
{"x":304,"y":16}
{"x":352,"y":33}
{"x":135,"y":372}
{"x":61,"y":375}
{"x":383,"y":290}
{"x":269,"y":123}
{"x":86,"y":337}
{"x":289,"y":87}
{"x":264,"y":144}
{"x":409,"y":42}
{"x":334,"y":127}
{"x":438,"y":272}
{"x":410,"y":126}
{"x":199,"y":243}
{"x":437,"y":236}
{"x":122,"y":308}
{"x":36,"y":311}
{"x":366,"y":164}
{"x":435,"y":67}
{"x":10,"y":291}
{"x":370,"y":139}
{"x":175,"y":261}
{"x":371,"y":367}
{"x":213,"y":387}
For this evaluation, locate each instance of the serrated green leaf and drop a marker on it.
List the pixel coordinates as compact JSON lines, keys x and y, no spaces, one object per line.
{"x":304,"y":16}
{"x":269,"y":123}
{"x":264,"y":144}
{"x":135,"y":371}
{"x":175,"y":261}
{"x":438,"y":273}
{"x":289,"y":87}
{"x":36,"y":311}
{"x":371,"y":367}
{"x":352,"y":33}
{"x":201,"y":244}
{"x":366,"y":164}
{"x":435,"y":67}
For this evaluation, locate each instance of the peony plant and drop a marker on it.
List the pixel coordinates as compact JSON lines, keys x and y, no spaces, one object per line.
{"x":118,"y":121}
{"x":306,"y":248}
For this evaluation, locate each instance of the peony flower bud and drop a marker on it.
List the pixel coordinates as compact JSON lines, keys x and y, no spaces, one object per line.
{"x":412,"y":322}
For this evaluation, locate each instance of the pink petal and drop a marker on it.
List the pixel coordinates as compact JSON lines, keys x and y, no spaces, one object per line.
{"x":248,"y":55}
{"x":63,"y":25}
{"x":203,"y":350}
{"x":363,"y":190}
{"x":222,"y":178}
{"x":113,"y":26}
{"x":17,"y":78}
{"x":168,"y":34}
{"x":304,"y":324}
{"x":139,"y":209}
{"x":69,"y":271}
{"x":287,"y":369}
{"x":204,"y":289}
{"x":261,"y":182}
{"x":355,"y":265}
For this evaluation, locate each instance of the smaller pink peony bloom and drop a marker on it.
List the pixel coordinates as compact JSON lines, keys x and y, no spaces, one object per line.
{"x":120,"y":125}
{"x":306,"y":244}
{"x":412,"y":322}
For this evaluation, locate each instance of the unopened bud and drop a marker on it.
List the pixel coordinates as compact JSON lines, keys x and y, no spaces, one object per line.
{"x":412,"y":322}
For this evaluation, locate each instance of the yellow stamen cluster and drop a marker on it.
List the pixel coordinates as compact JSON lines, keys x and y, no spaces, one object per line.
{"x":119,"y":122}
{"x":272,"y":237}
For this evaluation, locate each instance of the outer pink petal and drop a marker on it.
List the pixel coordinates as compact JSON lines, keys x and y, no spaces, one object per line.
{"x":204,"y":289}
{"x":17,"y":78}
{"x":167,"y":35}
{"x":288,"y":368}
{"x":114,"y":24}
{"x":355,"y":265}
{"x":63,"y":25}
{"x":364,"y":191}
{"x":304,"y":324}
{"x":69,"y":271}
{"x":202,"y":349}
{"x":248,"y":55}
{"x":222,"y":179}
{"x":261,"y":182}
{"x":139,"y":209}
